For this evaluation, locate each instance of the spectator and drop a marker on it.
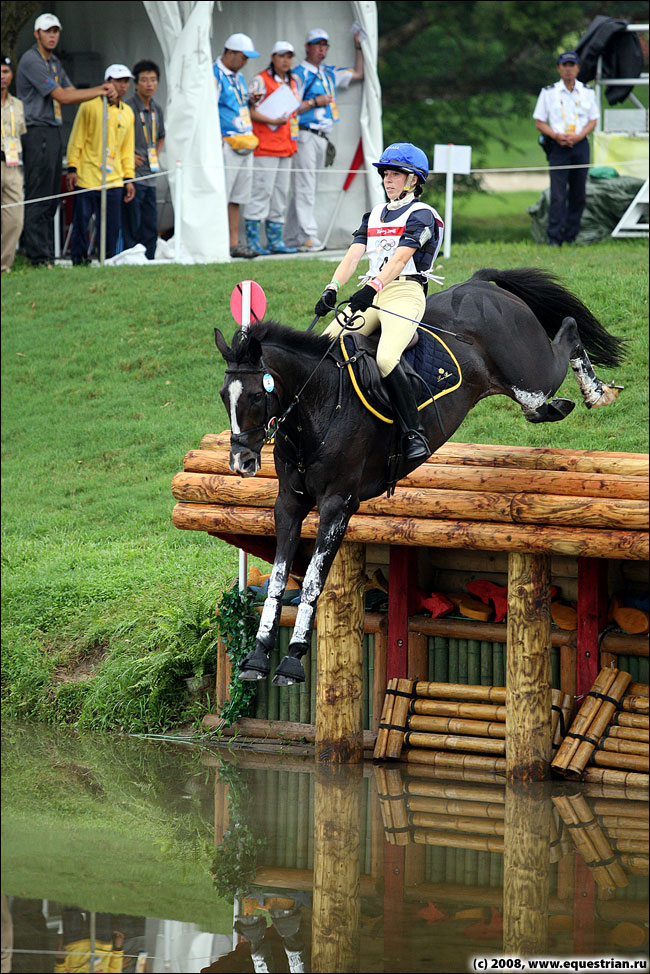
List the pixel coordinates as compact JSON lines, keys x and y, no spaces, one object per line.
{"x":236,"y":131}
{"x":317,"y":87}
{"x":272,"y":157}
{"x":85,"y":163}
{"x":43,"y":86}
{"x":565,"y":114}
{"x":13,"y":127}
{"x":140,"y":216}
{"x":74,"y":953}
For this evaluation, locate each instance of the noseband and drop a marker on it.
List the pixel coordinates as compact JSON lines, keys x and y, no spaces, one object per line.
{"x":270,"y":422}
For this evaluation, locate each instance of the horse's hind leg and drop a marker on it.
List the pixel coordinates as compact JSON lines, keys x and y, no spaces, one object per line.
{"x":335,"y":514}
{"x":595,"y":393}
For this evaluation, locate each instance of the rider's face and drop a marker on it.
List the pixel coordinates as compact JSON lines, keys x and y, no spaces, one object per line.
{"x":394,"y":183}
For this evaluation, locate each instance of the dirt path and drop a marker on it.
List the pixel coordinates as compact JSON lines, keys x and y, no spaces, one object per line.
{"x":505,"y":182}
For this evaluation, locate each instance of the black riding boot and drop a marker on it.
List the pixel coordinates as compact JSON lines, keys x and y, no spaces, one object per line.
{"x":414,"y":443}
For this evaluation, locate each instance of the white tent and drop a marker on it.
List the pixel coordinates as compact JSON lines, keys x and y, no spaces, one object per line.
{"x":185,"y":37}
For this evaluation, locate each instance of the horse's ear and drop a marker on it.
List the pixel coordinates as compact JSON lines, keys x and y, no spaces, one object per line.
{"x":254,"y":348}
{"x":221,"y":343}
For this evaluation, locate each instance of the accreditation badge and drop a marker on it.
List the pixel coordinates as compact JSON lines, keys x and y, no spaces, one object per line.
{"x":13,"y":152}
{"x":152,"y":154}
{"x":110,"y":159}
{"x":293,"y":126}
{"x":245,"y":117}
{"x":334,"y":110}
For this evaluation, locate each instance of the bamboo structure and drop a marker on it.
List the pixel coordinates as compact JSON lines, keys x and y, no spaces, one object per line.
{"x":525,"y":868}
{"x":590,"y":841}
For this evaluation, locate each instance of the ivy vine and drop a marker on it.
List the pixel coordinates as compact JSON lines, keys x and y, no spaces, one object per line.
{"x":237,"y":624}
{"x":235,"y":861}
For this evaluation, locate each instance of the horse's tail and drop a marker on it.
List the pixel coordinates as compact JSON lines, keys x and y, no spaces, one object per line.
{"x":551,"y":304}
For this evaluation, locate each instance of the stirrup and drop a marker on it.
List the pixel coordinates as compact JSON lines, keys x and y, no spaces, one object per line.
{"x":415,"y":445}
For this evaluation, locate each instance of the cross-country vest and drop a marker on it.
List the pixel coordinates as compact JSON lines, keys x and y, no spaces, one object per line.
{"x":383,"y":240}
{"x":282,"y":141}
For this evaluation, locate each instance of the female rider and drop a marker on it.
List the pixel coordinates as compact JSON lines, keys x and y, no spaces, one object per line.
{"x":402,"y":239}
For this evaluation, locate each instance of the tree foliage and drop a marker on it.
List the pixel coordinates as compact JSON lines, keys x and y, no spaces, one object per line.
{"x":451,"y":70}
{"x":15,"y":14}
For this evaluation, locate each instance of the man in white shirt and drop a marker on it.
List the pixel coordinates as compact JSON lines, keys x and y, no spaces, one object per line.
{"x":566,"y":114}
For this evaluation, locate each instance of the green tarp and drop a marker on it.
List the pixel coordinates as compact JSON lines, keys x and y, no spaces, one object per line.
{"x":607,"y":201}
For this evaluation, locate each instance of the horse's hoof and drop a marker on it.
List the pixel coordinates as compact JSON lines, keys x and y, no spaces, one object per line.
{"x":289,"y":671}
{"x":610,"y":394}
{"x":558,"y":409}
{"x":255,"y":666}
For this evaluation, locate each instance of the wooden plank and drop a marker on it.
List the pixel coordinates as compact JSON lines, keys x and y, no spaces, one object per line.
{"x":401,"y":592}
{"x":593,"y":600}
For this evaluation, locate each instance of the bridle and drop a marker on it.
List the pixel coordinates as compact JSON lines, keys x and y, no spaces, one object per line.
{"x":270,"y":422}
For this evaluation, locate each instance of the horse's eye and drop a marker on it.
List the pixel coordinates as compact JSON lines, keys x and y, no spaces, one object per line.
{"x":257,"y":397}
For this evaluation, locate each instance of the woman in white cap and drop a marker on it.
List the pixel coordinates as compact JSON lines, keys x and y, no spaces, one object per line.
{"x":272,"y":158}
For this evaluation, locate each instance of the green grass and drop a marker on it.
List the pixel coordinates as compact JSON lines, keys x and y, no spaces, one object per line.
{"x":109,"y":377}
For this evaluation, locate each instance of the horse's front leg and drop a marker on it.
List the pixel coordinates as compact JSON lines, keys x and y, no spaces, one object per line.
{"x":290,"y":511}
{"x":335,"y":513}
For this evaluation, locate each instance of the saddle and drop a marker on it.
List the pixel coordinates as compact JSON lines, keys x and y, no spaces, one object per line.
{"x":430,"y":365}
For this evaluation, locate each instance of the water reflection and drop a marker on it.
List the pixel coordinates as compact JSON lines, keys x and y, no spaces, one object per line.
{"x":240,"y":860}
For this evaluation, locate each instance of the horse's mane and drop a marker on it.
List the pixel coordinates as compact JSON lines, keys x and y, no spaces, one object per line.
{"x":271,"y":332}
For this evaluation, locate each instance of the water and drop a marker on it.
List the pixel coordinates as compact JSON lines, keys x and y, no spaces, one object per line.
{"x":345,"y":870}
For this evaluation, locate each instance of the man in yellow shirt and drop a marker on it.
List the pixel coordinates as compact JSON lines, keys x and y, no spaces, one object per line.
{"x":85,"y":154}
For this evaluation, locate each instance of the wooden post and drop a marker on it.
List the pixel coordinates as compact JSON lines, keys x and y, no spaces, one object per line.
{"x":528,"y":670}
{"x":402,"y":577}
{"x":339,"y":690}
{"x":337,"y":864}
{"x":592,"y":617}
{"x":525,"y":868}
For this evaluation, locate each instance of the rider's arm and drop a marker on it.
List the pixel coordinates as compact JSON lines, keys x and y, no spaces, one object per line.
{"x":349,"y":264}
{"x":394,"y":267}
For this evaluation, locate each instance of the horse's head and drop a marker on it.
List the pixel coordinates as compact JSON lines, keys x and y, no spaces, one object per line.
{"x":245,"y":393}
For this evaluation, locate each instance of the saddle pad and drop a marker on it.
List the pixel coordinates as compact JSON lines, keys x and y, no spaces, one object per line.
{"x":431,"y":366}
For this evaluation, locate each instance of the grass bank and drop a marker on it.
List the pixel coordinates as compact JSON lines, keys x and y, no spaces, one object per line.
{"x":109,"y":377}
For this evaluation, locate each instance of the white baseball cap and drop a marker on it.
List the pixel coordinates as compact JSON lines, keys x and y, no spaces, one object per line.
{"x":281,"y":47}
{"x":317,"y":34}
{"x":45,"y":21}
{"x":241,"y":43}
{"x":117,"y":71}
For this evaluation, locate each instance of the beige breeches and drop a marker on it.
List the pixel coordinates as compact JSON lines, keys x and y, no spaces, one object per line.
{"x":406,"y":298}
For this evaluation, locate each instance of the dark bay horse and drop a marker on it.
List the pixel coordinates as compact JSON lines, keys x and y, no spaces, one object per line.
{"x":519,"y":330}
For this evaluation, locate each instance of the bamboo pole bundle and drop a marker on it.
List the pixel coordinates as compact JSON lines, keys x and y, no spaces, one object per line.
{"x":484,"y":843}
{"x":583,"y":720}
{"x":446,"y":806}
{"x":632,"y":845}
{"x":458,"y":791}
{"x":457,"y":726}
{"x":628,"y":762}
{"x":618,"y":746}
{"x":635,"y":781}
{"x":466,"y":762}
{"x":639,"y":734}
{"x":451,"y":742}
{"x":403,"y":696}
{"x":590,"y":841}
{"x":639,"y":690}
{"x":624,"y":822}
{"x":631,"y":720}
{"x":384,"y":803}
{"x":635,"y":705}
{"x":469,"y":711}
{"x":563,"y":717}
{"x":456,"y":823}
{"x":385,"y":720}
{"x":399,"y":814}
{"x":631,"y":809}
{"x":634,"y":863}
{"x":634,"y":834}
{"x":460,"y":691}
{"x":599,"y":724}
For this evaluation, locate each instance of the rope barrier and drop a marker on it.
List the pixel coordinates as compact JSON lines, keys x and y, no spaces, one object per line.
{"x":331,"y":170}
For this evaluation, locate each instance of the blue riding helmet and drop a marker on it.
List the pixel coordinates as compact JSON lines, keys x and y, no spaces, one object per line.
{"x":404,"y":157}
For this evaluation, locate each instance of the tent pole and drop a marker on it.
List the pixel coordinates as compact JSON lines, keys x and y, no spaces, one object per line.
{"x":178,"y":211}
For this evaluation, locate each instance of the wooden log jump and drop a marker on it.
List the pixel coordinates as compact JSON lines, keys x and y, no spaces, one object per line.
{"x":531,"y":503}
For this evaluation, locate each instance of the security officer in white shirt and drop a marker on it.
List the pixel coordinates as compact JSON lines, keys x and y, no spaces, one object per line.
{"x":565,"y":114}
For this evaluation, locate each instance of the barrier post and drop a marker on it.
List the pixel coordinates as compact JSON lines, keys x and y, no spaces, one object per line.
{"x":449,"y":201}
{"x":178,"y":211}
{"x":526,"y":853}
{"x":339,"y":659}
{"x":528,"y":667}
{"x":102,"y":194}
